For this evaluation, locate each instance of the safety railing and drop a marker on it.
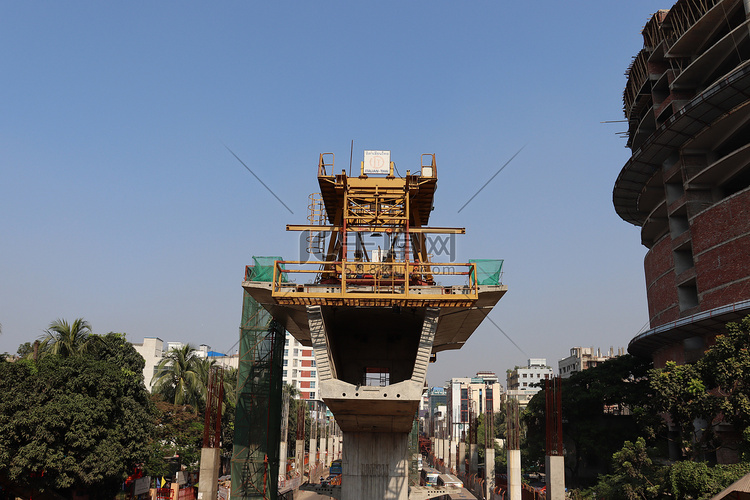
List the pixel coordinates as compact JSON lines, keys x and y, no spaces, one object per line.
{"x":374,"y":280}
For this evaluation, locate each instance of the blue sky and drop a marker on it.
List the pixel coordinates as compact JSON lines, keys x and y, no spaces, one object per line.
{"x":119,"y":202}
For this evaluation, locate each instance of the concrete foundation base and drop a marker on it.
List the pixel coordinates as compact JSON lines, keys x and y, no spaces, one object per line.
{"x":555,"y":477}
{"x":208,"y":486}
{"x":375,"y":466}
{"x":514,"y":474}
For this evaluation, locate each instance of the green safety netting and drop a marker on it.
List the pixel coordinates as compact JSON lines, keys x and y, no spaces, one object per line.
{"x":488,"y":271}
{"x":262,"y":269}
{"x":257,"y":427}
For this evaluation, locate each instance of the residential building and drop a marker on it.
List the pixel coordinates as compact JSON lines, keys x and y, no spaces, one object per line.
{"x":152,"y":350}
{"x":299,"y":368}
{"x":299,"y":362}
{"x":582,"y":358}
{"x":525,"y":381}
{"x":437,"y":407}
{"x":467,"y":396}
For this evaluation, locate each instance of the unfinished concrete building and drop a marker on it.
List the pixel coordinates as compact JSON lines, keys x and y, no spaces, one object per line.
{"x":687,"y":183}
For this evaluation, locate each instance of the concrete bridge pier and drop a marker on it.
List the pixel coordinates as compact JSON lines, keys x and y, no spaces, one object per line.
{"x":375,"y":419}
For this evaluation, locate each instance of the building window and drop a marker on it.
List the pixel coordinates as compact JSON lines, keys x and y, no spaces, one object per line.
{"x":296,"y":352}
{"x":312,"y":385}
{"x":286,"y":362}
{"x":283,"y":374}
{"x":312,"y":395}
{"x":286,"y":341}
{"x":313,"y":373}
{"x":313,"y":363}
{"x":286,"y":352}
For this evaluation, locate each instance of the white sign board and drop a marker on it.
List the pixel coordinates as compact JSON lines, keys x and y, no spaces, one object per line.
{"x":377,"y":162}
{"x":141,"y":485}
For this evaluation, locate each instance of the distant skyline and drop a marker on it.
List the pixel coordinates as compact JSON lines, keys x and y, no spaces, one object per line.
{"x":121,"y":203}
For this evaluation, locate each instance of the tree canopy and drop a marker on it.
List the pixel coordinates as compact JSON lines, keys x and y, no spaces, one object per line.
{"x":76,"y":423}
{"x":67,"y":339}
{"x":603,"y":407}
{"x":181,"y":377}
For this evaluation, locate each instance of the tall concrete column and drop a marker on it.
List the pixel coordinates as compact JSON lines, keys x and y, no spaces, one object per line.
{"x":555,"y":466}
{"x":448,"y":454}
{"x":375,"y":466}
{"x":375,"y":419}
{"x":489,"y":472}
{"x":514,"y":474}
{"x":473,"y":458}
{"x":462,"y":457}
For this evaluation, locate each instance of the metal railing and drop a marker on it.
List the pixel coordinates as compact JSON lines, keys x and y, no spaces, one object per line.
{"x":373,"y":280}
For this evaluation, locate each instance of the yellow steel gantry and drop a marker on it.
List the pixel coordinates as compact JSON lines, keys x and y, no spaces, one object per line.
{"x":399,"y":275}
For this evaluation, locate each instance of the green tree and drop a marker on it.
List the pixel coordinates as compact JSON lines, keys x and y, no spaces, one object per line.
{"x":603,"y":407}
{"x":67,"y":339}
{"x":680,"y":392}
{"x":725,"y":370}
{"x":72,"y":424}
{"x":25,"y":350}
{"x":179,"y":377}
{"x":698,"y":480}
{"x":179,"y":431}
{"x":635,"y":475}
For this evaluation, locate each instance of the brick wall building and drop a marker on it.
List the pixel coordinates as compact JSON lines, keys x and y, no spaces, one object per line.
{"x":687,"y":183}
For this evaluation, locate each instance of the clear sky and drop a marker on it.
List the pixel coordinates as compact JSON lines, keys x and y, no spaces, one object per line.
{"x":119,"y":202}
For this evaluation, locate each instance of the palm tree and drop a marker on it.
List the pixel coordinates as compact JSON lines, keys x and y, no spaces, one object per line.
{"x":178,"y":377}
{"x":67,"y":339}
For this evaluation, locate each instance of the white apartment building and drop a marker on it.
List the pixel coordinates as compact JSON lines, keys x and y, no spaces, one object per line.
{"x":299,"y":368}
{"x":474,"y":394}
{"x":582,"y":358}
{"x":152,"y":350}
{"x":525,"y":381}
{"x":299,"y":362}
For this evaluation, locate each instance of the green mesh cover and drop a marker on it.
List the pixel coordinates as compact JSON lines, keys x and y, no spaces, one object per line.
{"x":488,"y":270}
{"x":257,"y":428}
{"x":262,"y":269}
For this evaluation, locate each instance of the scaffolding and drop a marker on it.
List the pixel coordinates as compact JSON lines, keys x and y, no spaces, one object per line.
{"x":255,"y":458}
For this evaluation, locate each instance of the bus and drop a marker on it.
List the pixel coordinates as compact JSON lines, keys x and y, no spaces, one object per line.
{"x":336,"y":468}
{"x":429,"y":476}
{"x":449,"y":480}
